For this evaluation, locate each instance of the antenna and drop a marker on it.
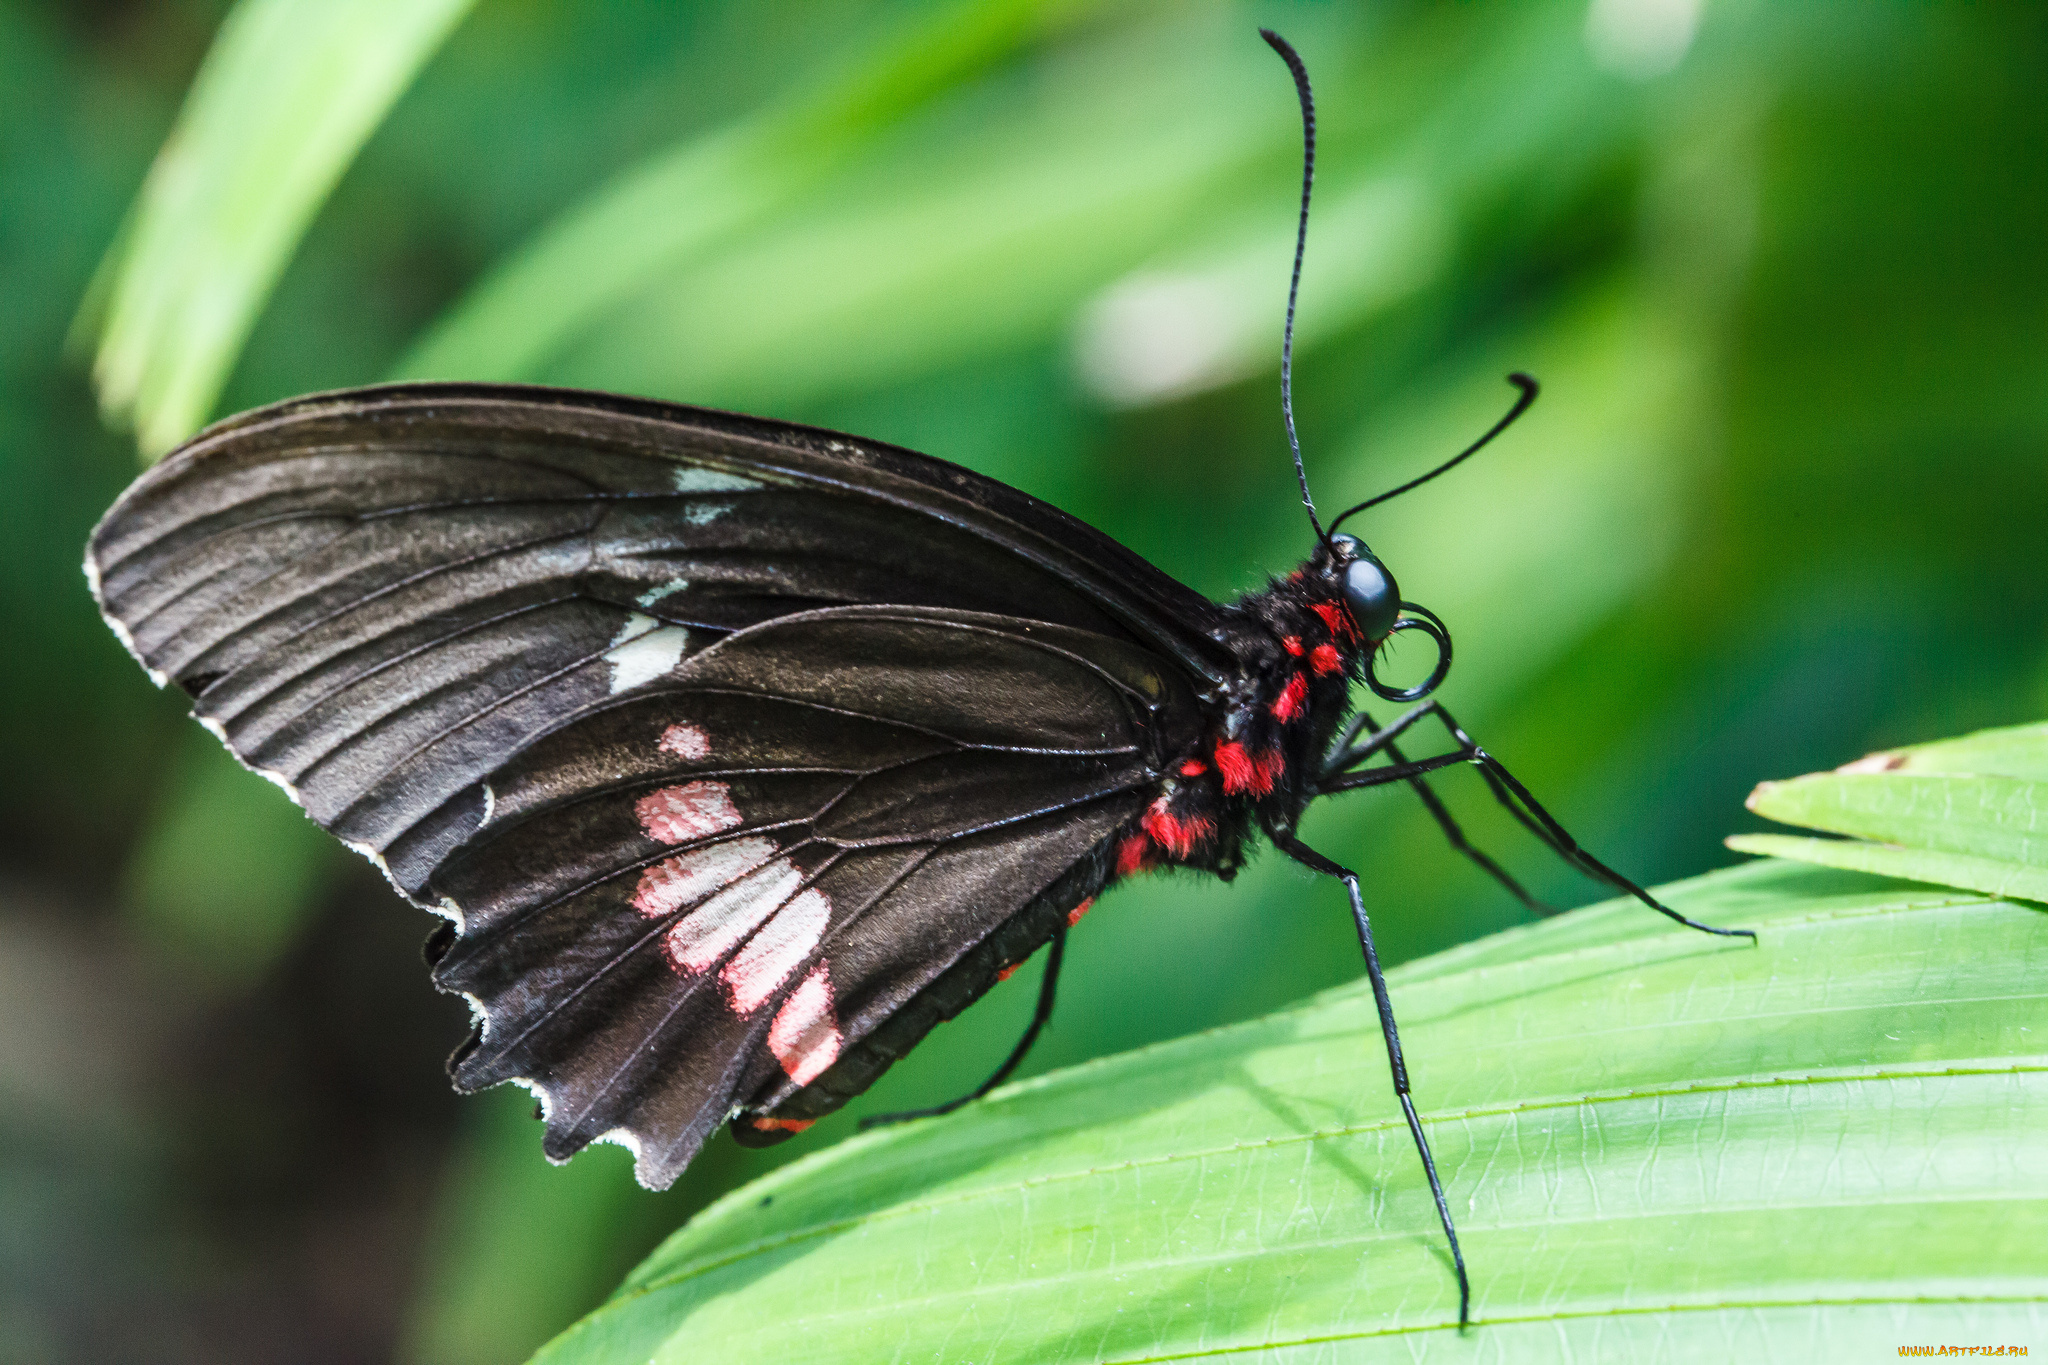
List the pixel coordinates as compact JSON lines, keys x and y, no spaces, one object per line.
{"x":1308,"y":180}
{"x":1529,"y":390}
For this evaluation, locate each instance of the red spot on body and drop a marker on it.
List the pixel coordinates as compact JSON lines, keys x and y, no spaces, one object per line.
{"x":1325,"y":660}
{"x":1176,"y":834}
{"x":1074,"y":915}
{"x":1236,"y":766}
{"x":774,"y":1125}
{"x":1336,"y":617}
{"x":1194,"y":767}
{"x":1289,"y":703}
{"x":1132,"y":855}
{"x":1292,"y":644}
{"x":1247,"y":772}
{"x":1006,"y":973}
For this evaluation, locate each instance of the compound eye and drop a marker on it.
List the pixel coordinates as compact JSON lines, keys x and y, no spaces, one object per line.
{"x":1374,"y":599}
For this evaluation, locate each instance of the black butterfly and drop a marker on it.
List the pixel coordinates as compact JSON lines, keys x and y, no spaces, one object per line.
{"x":737,"y":754}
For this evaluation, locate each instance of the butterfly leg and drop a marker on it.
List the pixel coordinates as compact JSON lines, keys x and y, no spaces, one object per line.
{"x":1506,"y":788}
{"x":1316,"y":862}
{"x":1453,"y":833}
{"x":1504,"y":784}
{"x":1016,"y":1057}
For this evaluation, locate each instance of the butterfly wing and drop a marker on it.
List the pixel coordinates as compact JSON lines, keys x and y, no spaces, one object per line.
{"x":375,"y":596}
{"x":706,"y":895}
{"x":722,"y":742}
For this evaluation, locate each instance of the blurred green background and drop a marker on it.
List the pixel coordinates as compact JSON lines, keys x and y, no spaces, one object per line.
{"x":1777,"y":265}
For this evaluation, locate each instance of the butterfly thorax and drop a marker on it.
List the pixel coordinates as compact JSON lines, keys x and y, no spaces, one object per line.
{"x":1257,"y":765}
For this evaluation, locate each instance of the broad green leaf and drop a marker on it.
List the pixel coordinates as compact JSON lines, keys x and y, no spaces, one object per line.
{"x":1656,"y":1144}
{"x":1992,"y":876}
{"x":1965,"y":812}
{"x":2010,"y":751}
{"x":287,"y":96}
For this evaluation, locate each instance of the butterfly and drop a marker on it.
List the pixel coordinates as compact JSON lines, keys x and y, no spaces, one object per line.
{"x":736,"y":754}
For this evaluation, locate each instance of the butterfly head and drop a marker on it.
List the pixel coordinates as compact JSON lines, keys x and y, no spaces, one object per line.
{"x":1373,"y":599}
{"x":1370,"y":591}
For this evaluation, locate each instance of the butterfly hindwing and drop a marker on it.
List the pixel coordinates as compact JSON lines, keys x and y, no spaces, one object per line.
{"x":696,"y":723}
{"x":708,"y":894}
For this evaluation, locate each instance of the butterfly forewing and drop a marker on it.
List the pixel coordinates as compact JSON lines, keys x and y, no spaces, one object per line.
{"x":376,"y":597}
{"x":723,"y":741}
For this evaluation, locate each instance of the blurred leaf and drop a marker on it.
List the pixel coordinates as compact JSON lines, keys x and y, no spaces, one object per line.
{"x":518,"y":1240}
{"x":602,"y":252}
{"x":1946,"y":813}
{"x":1394,"y":206}
{"x":1134,"y":191}
{"x":1654,"y":1144}
{"x":287,"y":96}
{"x":227,"y":872}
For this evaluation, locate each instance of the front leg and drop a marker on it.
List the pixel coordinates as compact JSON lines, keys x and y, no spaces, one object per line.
{"x":1507,"y":789}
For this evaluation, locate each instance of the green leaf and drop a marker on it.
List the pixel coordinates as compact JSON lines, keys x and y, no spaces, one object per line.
{"x":1969,"y":812}
{"x":288,"y":94}
{"x":1655,"y":1144}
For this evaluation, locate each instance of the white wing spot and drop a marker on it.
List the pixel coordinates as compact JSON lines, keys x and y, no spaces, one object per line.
{"x":644,"y":650}
{"x":698,"y":479}
{"x":704,"y":513}
{"x":714,"y":928}
{"x":676,"y":815}
{"x":805,"y":1035}
{"x":686,"y":742}
{"x":777,"y":950}
{"x":687,"y":878}
{"x":668,"y":589}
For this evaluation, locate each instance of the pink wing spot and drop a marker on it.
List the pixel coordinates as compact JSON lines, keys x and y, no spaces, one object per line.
{"x":778,"y":949}
{"x":686,"y":742}
{"x":676,"y":815}
{"x":687,"y":878}
{"x":1325,"y":660}
{"x":805,"y":1037}
{"x":1289,"y":703}
{"x":722,"y":923}
{"x":1074,"y":915}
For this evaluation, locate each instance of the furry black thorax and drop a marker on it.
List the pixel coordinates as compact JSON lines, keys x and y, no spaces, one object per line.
{"x":1257,"y":769}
